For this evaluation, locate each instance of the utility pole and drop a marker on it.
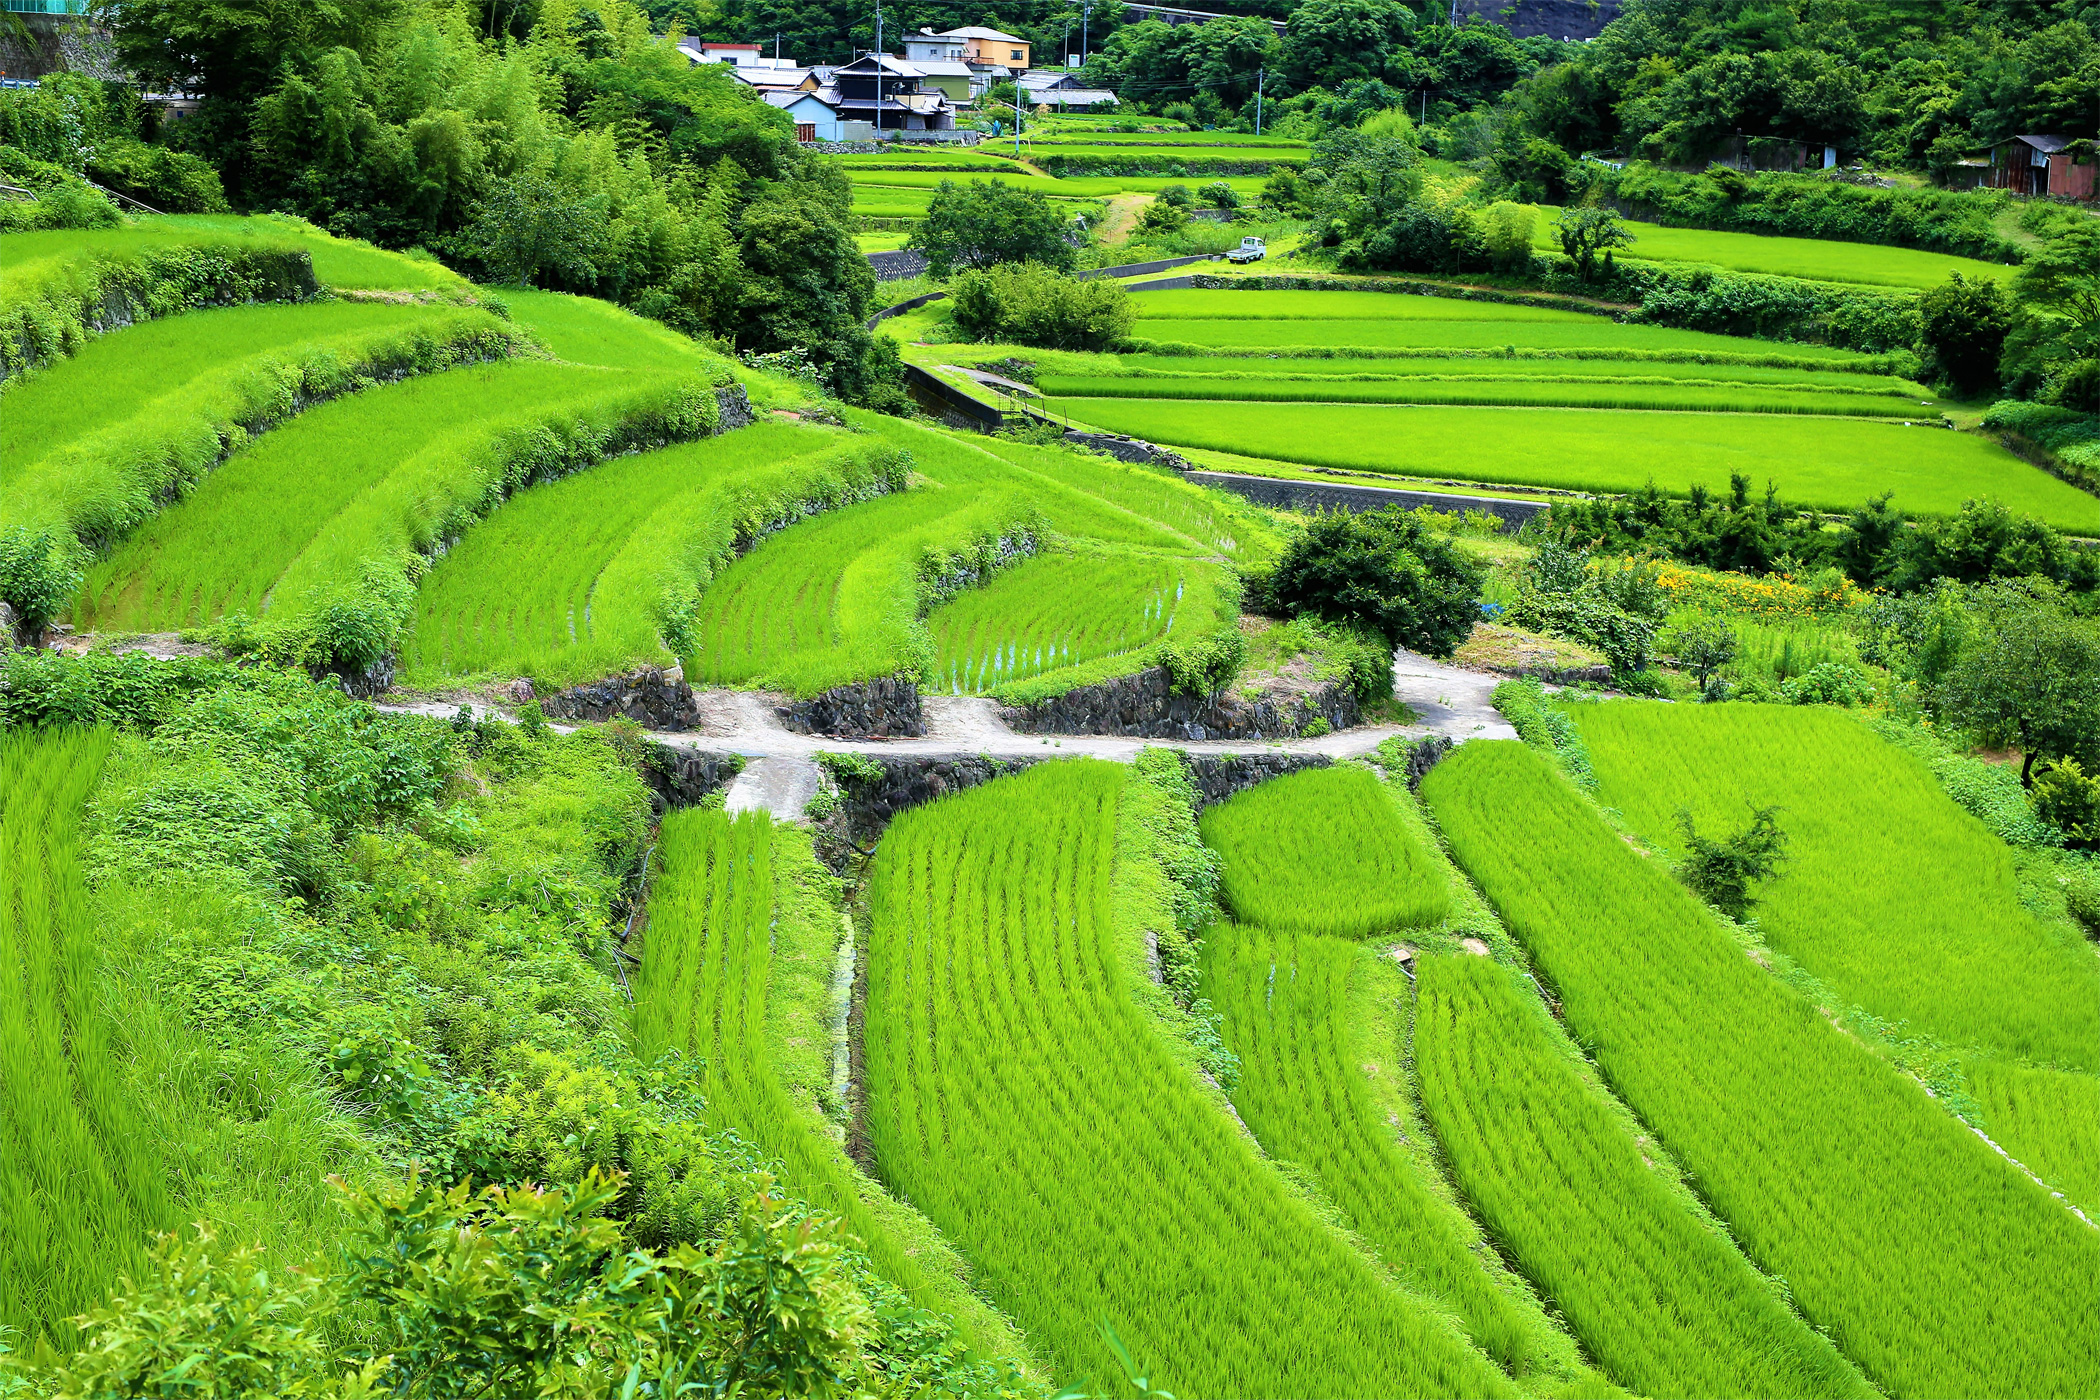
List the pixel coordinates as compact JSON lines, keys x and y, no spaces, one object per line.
{"x":1086,"y":12}
{"x":1017,"y":121}
{"x":878,"y":72}
{"x":1261,"y":76}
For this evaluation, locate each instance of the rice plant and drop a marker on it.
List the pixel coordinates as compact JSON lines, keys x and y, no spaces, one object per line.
{"x":1932,"y":1263}
{"x":1323,"y":851}
{"x":1896,"y":898}
{"x":2049,"y":1120}
{"x":1456,"y":329}
{"x":1662,"y":1299}
{"x":338,"y":262}
{"x":1829,"y":464}
{"x":80,"y":1184}
{"x":1020,"y":1096}
{"x":1859,"y":376}
{"x":1312,"y":1019}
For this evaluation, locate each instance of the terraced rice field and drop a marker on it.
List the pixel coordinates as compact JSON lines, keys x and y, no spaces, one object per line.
{"x":1324,"y":852}
{"x":338,"y":262}
{"x":1321,"y":1084}
{"x":1825,"y":463}
{"x":1893,"y":1225}
{"x":737,"y":978}
{"x":1900,"y":901}
{"x":1064,"y":610}
{"x":80,"y":1183}
{"x":2048,"y":1119}
{"x":1546,"y":391}
{"x":561,"y":584}
{"x":1005,"y":1050}
{"x":304,"y":495}
{"x":1817,"y":259}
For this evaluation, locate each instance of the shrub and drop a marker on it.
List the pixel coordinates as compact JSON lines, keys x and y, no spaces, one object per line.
{"x":36,"y":578}
{"x":1508,"y":229}
{"x":1030,"y":305}
{"x":1383,"y":570}
{"x":1162,"y":217}
{"x":1963,"y":326}
{"x":1829,"y":683}
{"x":1205,"y":666}
{"x":1721,"y":872}
{"x":174,"y":182}
{"x":1218,"y":194}
{"x":2068,"y":798}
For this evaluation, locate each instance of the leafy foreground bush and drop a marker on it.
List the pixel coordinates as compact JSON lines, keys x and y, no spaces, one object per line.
{"x":506,"y":1291}
{"x":1384,"y":570}
{"x":1027,"y":305}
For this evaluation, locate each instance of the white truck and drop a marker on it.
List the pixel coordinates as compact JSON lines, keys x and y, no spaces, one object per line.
{"x":1250,"y":250}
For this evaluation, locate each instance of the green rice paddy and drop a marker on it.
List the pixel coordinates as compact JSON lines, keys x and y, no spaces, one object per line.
{"x":1544,"y":392}
{"x":338,"y":262}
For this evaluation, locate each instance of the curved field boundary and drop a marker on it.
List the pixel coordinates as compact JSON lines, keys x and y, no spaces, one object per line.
{"x":1934,"y":1264}
{"x":376,"y":476}
{"x":1891,"y":895}
{"x":1545,"y":391}
{"x":107,"y":481}
{"x":1022,"y":1097}
{"x":81,"y":1186}
{"x":736,"y":971}
{"x":582,"y":577}
{"x":1662,"y":1299}
{"x":52,"y":302}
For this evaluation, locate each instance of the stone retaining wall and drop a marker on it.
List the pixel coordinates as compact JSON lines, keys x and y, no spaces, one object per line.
{"x":1144,"y":706}
{"x":1128,"y":449}
{"x":654,"y":697}
{"x":682,"y":777}
{"x":735,"y":408}
{"x":1219,"y":776}
{"x":887,"y":708}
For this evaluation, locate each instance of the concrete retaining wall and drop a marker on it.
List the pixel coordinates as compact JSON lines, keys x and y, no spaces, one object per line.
{"x":1288,"y":493}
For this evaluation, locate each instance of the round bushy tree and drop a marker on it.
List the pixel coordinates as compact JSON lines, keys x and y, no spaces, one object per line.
{"x":1385,"y":570}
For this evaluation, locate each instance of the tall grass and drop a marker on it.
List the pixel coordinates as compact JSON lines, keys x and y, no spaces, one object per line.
{"x":1899,"y":900}
{"x":735,"y":976}
{"x":1545,"y":391}
{"x":1312,"y":1017}
{"x":1830,"y":464}
{"x":1932,"y":1263}
{"x":574,"y":579}
{"x":80,"y":1184}
{"x":1020,"y":1096}
{"x":1661,"y":1298}
{"x":1323,"y":851}
{"x":323,"y":490}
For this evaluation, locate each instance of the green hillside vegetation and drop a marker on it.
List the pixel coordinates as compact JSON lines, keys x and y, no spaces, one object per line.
{"x":1162,"y":1209}
{"x":1660,"y":1297}
{"x":1897,"y":899}
{"x":1817,"y":259}
{"x":1324,"y":852}
{"x":1893,"y":1225}
{"x":345,"y":264}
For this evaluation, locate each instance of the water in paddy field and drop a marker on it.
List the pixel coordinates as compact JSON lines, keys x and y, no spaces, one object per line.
{"x":1020,"y":658}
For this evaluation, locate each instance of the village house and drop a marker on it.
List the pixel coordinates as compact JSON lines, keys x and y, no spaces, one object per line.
{"x":1062,"y":90}
{"x":2043,"y":165}
{"x":888,"y":93}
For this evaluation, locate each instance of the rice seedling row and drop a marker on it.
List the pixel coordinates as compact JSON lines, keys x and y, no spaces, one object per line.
{"x":524,"y":592}
{"x":711,"y":987}
{"x":80,"y":1184}
{"x":228,"y":545}
{"x":1543,"y":392}
{"x":1324,"y":852}
{"x":338,"y":262}
{"x":1006,"y":1053}
{"x":1662,"y":1299}
{"x":1892,"y":895}
{"x":1900,"y":1235}
{"x":1827,"y":464}
{"x":1070,"y":187}
{"x":1236,"y":305}
{"x":1298,"y":1011}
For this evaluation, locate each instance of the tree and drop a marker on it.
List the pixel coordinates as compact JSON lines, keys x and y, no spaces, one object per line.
{"x":1721,"y":872}
{"x":2060,"y":283}
{"x":1508,"y":228}
{"x":1586,"y":231}
{"x":1704,"y":647}
{"x":1383,"y":570}
{"x":1031,"y":305}
{"x":1333,"y":41}
{"x":532,"y":231}
{"x":1962,"y":329}
{"x":2030,"y":679}
{"x":987,"y":222}
{"x":234,"y":49}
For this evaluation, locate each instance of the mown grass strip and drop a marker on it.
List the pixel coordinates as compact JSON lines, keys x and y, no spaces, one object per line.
{"x":1936,"y":1266}
{"x":81,"y":1185}
{"x":1662,"y":1299}
{"x":1826,"y":464}
{"x":735,"y":976}
{"x":1324,"y":852}
{"x":1894,"y":897}
{"x":1007,"y":1050}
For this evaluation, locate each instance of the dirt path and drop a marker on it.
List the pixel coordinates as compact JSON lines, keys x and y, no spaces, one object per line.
{"x":1121,"y":216}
